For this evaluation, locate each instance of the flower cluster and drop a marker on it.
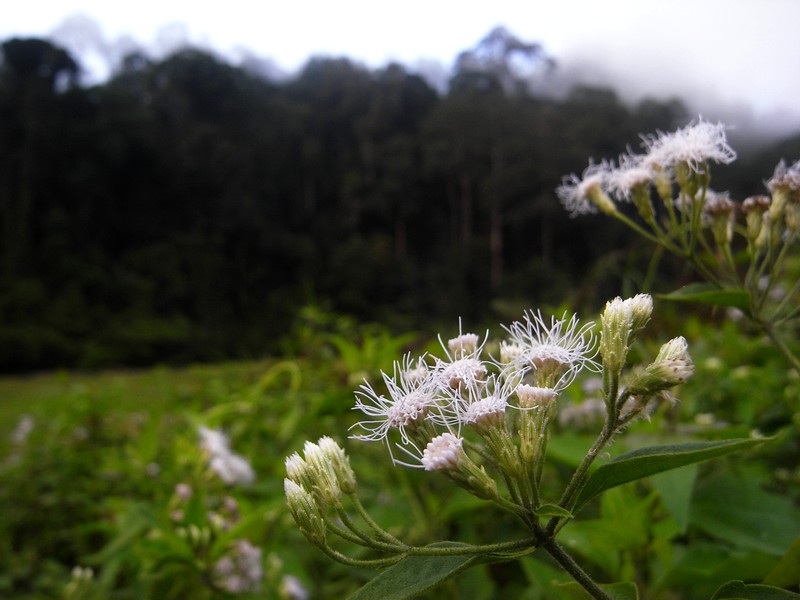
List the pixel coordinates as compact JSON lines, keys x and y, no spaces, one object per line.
{"x":429,"y":400}
{"x":669,"y":187}
{"x":682,"y":155}
{"x":429,"y":406}
{"x":316,"y":482}
{"x":232,"y":468}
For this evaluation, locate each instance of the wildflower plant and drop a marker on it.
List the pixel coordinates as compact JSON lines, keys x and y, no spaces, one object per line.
{"x":742,"y":248}
{"x":484,"y":423}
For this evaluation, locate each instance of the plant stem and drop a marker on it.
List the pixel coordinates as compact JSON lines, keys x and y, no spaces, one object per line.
{"x":580,"y":473}
{"x":567,"y":563}
{"x":382,"y":533}
{"x":781,"y":345}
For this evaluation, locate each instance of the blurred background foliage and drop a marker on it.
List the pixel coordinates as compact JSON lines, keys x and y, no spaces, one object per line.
{"x":186,"y":210}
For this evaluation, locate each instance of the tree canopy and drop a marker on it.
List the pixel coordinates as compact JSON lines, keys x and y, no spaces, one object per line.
{"x":186,"y":208}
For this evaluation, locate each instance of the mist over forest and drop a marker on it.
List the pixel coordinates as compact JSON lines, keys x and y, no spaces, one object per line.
{"x":187,"y":208}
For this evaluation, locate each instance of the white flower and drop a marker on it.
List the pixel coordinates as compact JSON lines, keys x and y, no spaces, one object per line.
{"x":558,"y":351}
{"x":694,"y":145}
{"x":232,"y":468}
{"x":584,"y":195}
{"x":410,"y":399}
{"x":631,"y":174}
{"x":532,"y":397}
{"x":463,"y":344}
{"x":479,"y":405}
{"x":785,"y":177}
{"x":463,"y":367}
{"x":229,"y":466}
{"x":443,"y":453}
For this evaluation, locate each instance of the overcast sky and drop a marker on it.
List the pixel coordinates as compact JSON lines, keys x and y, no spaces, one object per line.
{"x":736,"y":58}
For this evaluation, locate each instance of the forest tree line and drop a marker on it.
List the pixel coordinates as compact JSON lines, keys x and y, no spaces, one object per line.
{"x":185,"y":209}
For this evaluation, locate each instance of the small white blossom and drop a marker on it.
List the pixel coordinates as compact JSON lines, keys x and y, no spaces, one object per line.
{"x":785,"y":177}
{"x":410,"y":398}
{"x":463,"y":344}
{"x":463,"y":366}
{"x":293,"y":589}
{"x":481,"y":406}
{"x":694,"y":145}
{"x":443,"y":453}
{"x":561,"y":349}
{"x":584,"y":195}
{"x":241,"y":571}
{"x":533,"y":397}
{"x":229,"y":466}
{"x":629,"y":175}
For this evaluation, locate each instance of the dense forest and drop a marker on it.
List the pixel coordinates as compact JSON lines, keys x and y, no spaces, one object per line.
{"x":186,"y":209}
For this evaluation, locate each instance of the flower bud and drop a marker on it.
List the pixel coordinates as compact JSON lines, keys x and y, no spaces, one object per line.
{"x":601,"y":200}
{"x":340,"y":463}
{"x":325,"y":482}
{"x":621,"y":321}
{"x":299,"y":471}
{"x":754,"y":209}
{"x":533,"y":398}
{"x":719,"y":209}
{"x":672,"y":366}
{"x":305,"y":512}
{"x":463,"y":345}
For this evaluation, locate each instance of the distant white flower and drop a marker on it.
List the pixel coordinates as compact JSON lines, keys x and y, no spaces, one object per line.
{"x":241,"y":571}
{"x":410,"y":399}
{"x":587,"y":414}
{"x":293,"y":589}
{"x":584,"y":195}
{"x":694,"y":145}
{"x":229,"y":466}
{"x":23,"y":429}
{"x":559,"y":350}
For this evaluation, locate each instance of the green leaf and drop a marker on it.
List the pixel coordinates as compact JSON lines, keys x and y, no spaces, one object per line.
{"x":705,"y":293}
{"x":675,"y":488}
{"x":655,"y":459}
{"x":553,"y":510}
{"x":735,"y":508}
{"x":738,"y":590}
{"x":787,"y":571}
{"x":416,"y":575}
{"x":625,"y":590}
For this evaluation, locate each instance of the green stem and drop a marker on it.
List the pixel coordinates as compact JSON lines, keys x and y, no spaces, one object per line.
{"x":576,"y":572}
{"x":780,"y":345}
{"x":377,"y":563}
{"x":366,"y":539}
{"x":382,"y":533}
{"x":578,"y":477}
